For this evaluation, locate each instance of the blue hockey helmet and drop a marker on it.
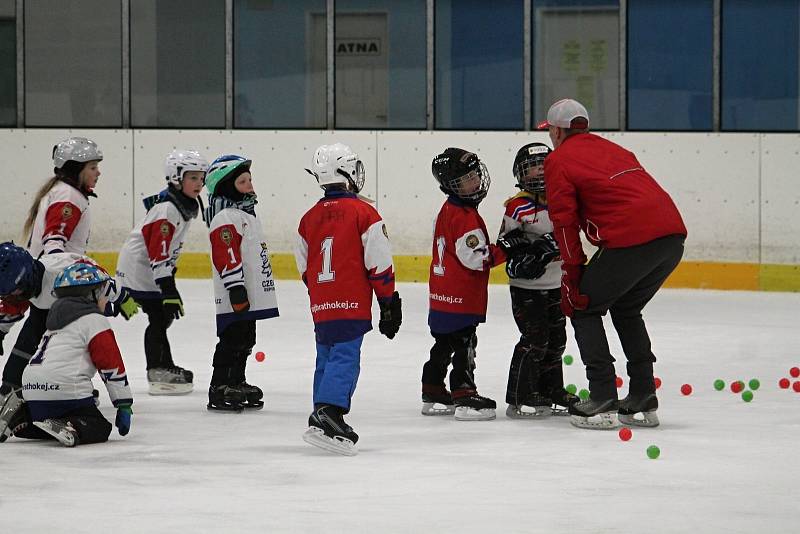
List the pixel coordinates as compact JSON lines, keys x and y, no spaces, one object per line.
{"x":16,"y":269}
{"x":79,"y":279}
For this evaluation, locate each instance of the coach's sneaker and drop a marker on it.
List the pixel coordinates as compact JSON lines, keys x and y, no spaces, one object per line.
{"x":436,"y":400}
{"x":169,"y":381}
{"x":10,"y":410}
{"x":639,"y":410}
{"x":597,"y":415}
{"x":60,"y":429}
{"x":472,"y":407}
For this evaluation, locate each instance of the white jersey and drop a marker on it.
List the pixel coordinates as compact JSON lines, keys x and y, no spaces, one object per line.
{"x":62,"y":223}
{"x":151,"y":250}
{"x":69,"y":357}
{"x":522,"y":211}
{"x":240,"y":257}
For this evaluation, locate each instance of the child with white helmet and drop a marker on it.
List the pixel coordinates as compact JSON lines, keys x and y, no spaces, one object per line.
{"x":59,"y":219}
{"x":244,"y":290}
{"x":343,"y":255}
{"x":147,"y":265}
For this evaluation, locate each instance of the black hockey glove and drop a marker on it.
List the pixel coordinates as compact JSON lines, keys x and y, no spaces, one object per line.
{"x":512,"y":241}
{"x":544,"y":249}
{"x":170,"y":298}
{"x":239,"y":301}
{"x":391,"y":315}
{"x":524,"y":266}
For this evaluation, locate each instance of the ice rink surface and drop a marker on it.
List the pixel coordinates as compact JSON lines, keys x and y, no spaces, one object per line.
{"x":725,"y":465}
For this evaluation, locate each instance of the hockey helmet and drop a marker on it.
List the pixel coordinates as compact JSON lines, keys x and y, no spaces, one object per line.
{"x":80,"y":279}
{"x":223,"y":168}
{"x":181,"y":161}
{"x":16,"y":269}
{"x":462,"y":174}
{"x":78,"y":149}
{"x":529,"y":157}
{"x":337,"y":164}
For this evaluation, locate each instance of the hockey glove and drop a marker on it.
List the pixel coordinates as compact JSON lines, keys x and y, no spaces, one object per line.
{"x":512,"y":241}
{"x":123,"y":420}
{"x":238,"y":296}
{"x":544,"y":249}
{"x":391,"y":315}
{"x":127,"y":306}
{"x":524,"y":266}
{"x":571,"y":297}
{"x":170,"y":298}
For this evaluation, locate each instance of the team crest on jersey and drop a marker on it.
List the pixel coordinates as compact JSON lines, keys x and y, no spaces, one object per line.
{"x":164,"y":229}
{"x":472,"y":241}
{"x":384,"y":231}
{"x":66,"y":212}
{"x":226,"y":236}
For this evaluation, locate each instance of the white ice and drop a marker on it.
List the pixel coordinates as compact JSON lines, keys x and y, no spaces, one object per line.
{"x":725,"y":465}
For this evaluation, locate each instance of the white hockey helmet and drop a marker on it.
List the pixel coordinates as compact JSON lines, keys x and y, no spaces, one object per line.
{"x":77,"y":149}
{"x":180,"y":161}
{"x":337,"y":164}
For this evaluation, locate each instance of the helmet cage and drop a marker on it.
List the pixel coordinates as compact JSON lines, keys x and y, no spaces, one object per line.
{"x":472,"y":186}
{"x":530,"y":174}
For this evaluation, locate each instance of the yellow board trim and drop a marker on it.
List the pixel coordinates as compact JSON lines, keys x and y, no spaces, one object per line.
{"x":689,"y":274}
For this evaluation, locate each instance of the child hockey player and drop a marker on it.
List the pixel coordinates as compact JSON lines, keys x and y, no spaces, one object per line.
{"x":59,"y":218}
{"x":458,"y":285}
{"x":147,"y":265}
{"x":343,"y":256}
{"x":57,"y":384}
{"x":25,"y":284}
{"x":535,"y":376}
{"x":243,"y":287}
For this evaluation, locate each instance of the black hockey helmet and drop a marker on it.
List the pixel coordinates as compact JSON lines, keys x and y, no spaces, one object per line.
{"x":462,"y":174}
{"x":530,"y":156}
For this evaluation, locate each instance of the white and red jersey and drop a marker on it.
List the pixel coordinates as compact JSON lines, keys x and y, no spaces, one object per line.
{"x":62,"y":223}
{"x":151,"y":250}
{"x":459,"y":275}
{"x":526,"y":212}
{"x":240,"y":257}
{"x":59,"y":376}
{"x":343,"y":255}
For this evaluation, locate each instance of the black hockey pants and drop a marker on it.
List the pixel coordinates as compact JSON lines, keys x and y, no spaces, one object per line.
{"x":622,"y":281}
{"x":536,"y":362}
{"x":25,"y":347}
{"x":156,"y":345}
{"x":89,"y":423}
{"x":230,"y":357}
{"x":457,"y":347}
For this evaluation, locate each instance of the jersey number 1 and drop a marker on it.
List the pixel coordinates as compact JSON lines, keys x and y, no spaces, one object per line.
{"x":327,"y":275}
{"x":39,"y":358}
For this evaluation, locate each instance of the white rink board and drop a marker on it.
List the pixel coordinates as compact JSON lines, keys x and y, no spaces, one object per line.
{"x":736,"y":192}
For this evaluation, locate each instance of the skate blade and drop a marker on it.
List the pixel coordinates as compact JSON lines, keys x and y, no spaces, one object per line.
{"x":161,"y":388}
{"x":643,"y":419}
{"x":67,"y":440}
{"x":11,"y":405}
{"x":253,"y":405}
{"x":601,"y":421}
{"x":538,"y":412}
{"x":230,"y":408}
{"x":434,"y":408}
{"x":316,"y":437}
{"x":560,"y":411}
{"x":465,"y":413}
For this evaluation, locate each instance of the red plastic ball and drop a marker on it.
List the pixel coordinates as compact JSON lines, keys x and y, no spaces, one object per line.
{"x":619,"y":382}
{"x":657,"y":381}
{"x":795,"y":372}
{"x":796,"y":386}
{"x":737,"y":386}
{"x":625,"y":433}
{"x":686,"y":389}
{"x":784,"y":383}
{"x":260,"y":356}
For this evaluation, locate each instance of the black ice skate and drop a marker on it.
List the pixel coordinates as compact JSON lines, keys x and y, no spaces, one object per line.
{"x":252,"y":396}
{"x":327,"y":430}
{"x":561,"y":400}
{"x":639,"y":410}
{"x":472,"y":407}
{"x":60,"y":429}
{"x":226,"y":398}
{"x":11,"y":409}
{"x":169,"y":381}
{"x":436,"y":400}
{"x":597,"y":415}
{"x":535,"y":406}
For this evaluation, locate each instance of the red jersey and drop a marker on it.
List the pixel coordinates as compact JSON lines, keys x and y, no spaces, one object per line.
{"x":459,"y":275}
{"x":343,"y":255}
{"x":598,"y":186}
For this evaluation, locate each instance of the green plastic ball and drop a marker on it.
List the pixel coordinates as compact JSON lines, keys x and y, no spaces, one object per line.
{"x":653,"y":452}
{"x":571,"y":388}
{"x":747,"y":396}
{"x":583,"y":394}
{"x":568,"y":359}
{"x":719,"y":385}
{"x":754,"y":384}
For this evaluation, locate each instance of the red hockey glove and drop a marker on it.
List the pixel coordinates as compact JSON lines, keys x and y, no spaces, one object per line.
{"x":571,"y":297}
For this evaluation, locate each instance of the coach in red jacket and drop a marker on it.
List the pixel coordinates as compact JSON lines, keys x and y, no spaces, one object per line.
{"x":599,"y":187}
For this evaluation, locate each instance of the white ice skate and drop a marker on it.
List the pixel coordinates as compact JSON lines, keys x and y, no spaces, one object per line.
{"x":474,"y":407}
{"x":168,"y":381}
{"x":9,"y":407}
{"x":639,"y":410}
{"x":339,"y":444}
{"x":62,"y":431}
{"x":528,"y":412}
{"x":645,"y":419}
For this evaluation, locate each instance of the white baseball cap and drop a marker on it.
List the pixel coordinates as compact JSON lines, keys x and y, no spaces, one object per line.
{"x":566,"y":113}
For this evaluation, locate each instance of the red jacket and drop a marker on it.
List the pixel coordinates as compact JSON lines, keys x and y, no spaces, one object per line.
{"x":597,"y":186}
